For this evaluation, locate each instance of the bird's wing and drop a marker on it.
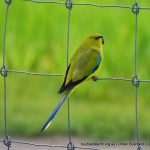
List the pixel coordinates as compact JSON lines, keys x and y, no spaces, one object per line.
{"x":80,"y":68}
{"x":86,"y":65}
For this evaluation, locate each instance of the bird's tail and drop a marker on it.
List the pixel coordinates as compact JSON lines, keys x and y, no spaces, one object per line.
{"x":52,"y":115}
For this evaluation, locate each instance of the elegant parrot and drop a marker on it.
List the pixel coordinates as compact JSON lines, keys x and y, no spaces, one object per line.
{"x":84,"y":65}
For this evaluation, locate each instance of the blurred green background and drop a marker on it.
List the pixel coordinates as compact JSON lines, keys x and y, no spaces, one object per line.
{"x":36,"y":42}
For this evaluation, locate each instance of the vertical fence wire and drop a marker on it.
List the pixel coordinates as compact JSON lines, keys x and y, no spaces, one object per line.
{"x":136,"y":78}
{"x":69,"y":7}
{"x":4,"y":68}
{"x":4,"y":74}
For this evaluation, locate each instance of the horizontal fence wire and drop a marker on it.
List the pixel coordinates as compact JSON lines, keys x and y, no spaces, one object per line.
{"x":86,"y":4}
{"x":62,"y":75}
{"x":33,"y":74}
{"x":134,"y":80}
{"x":48,"y":145}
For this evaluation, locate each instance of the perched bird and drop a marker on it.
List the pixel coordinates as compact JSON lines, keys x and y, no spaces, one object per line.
{"x":83,"y":66}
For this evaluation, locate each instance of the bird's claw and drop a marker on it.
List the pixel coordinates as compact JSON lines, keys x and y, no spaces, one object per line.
{"x":94,"y":78}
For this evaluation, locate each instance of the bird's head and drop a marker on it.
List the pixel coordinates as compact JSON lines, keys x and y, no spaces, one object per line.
{"x":95,"y":40}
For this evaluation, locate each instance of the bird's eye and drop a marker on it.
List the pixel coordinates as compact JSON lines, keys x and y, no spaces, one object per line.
{"x":100,"y":37}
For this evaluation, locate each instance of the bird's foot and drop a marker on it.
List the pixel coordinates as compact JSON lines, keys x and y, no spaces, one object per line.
{"x":94,"y":78}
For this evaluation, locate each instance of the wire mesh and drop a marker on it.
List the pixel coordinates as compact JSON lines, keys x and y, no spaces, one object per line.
{"x":134,"y":80}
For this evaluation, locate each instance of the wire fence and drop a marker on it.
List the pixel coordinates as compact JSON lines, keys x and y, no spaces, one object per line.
{"x":135,"y":8}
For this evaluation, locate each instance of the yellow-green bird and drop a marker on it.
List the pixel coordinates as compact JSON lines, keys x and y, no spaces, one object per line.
{"x":84,"y":65}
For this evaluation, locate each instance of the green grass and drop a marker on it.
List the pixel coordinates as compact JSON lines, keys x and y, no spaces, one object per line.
{"x":36,"y":41}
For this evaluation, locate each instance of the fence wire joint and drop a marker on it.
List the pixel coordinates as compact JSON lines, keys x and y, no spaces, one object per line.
{"x":7,"y":141}
{"x":136,"y":81}
{"x":69,"y":4}
{"x":139,"y":148}
{"x":136,"y":8}
{"x":3,"y":71}
{"x":70,"y":146}
{"x":8,"y":2}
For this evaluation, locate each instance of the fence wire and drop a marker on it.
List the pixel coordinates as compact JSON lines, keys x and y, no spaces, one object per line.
{"x":134,"y":80}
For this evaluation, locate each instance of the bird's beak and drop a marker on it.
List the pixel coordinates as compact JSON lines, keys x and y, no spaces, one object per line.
{"x":102,"y":40}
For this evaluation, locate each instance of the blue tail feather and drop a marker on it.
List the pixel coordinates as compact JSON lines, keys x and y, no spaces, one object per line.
{"x":52,"y":115}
